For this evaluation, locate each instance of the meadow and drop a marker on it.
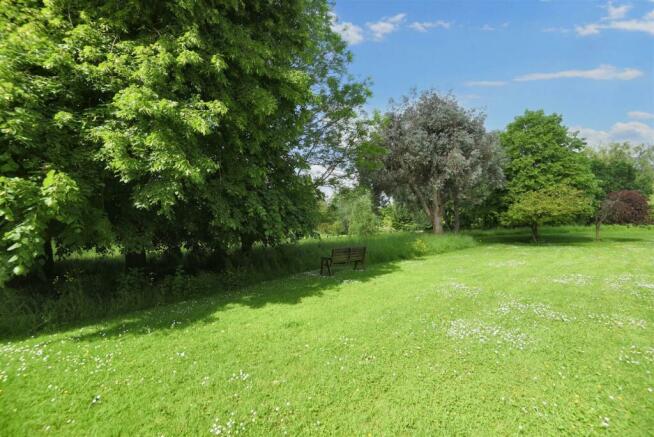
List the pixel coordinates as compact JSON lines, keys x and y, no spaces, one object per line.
{"x":483,"y":334}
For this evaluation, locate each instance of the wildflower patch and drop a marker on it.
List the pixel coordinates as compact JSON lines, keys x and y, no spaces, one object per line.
{"x":487,"y":333}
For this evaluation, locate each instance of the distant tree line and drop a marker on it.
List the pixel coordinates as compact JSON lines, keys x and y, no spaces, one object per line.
{"x":435,"y":167}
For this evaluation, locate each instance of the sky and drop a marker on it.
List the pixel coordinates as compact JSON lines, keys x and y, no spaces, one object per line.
{"x":592,"y":62}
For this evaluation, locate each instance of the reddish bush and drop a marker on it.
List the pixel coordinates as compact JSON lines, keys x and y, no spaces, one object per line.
{"x":628,"y":207}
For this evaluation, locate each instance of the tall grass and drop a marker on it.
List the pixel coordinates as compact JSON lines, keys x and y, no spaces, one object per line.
{"x":91,"y":286}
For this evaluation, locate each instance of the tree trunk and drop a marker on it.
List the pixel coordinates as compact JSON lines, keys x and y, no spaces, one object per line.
{"x":598,"y":223}
{"x":534,"y":232}
{"x":173,"y":252}
{"x":456,"y":225}
{"x":247,"y":241}
{"x":437,"y":215}
{"x":48,"y":255}
{"x":135,"y":259}
{"x":457,"y":219}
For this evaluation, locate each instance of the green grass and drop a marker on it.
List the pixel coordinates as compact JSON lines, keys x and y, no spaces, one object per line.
{"x":501,"y":338}
{"x":89,"y":286}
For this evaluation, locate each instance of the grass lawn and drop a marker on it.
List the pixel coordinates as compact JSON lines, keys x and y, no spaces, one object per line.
{"x":502,"y":338}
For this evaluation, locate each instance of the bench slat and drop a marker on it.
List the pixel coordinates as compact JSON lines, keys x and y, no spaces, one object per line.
{"x":343,"y":255}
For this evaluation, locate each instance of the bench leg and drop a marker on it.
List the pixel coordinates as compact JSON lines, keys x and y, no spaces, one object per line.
{"x":325,"y":263}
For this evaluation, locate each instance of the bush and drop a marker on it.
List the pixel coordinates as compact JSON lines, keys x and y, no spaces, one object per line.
{"x":628,"y":207}
{"x":399,"y":218}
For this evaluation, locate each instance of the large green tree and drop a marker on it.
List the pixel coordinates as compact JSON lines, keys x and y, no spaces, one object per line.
{"x":542,"y":152}
{"x":171,"y":122}
{"x":543,"y":157}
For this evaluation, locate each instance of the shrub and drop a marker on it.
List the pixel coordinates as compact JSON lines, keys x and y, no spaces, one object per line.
{"x":628,"y":207}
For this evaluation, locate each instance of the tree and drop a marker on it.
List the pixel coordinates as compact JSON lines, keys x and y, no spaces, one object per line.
{"x":334,"y":138}
{"x":556,"y":204}
{"x":363,"y":220}
{"x":472,"y":193}
{"x":544,"y":157}
{"x":622,"y":166}
{"x":630,"y":207}
{"x":175,"y":121}
{"x":541,"y":152}
{"x":354,"y":209}
{"x":436,"y":151}
{"x":622,"y":207}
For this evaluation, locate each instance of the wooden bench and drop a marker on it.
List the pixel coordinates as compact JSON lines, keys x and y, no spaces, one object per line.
{"x":343,"y":255}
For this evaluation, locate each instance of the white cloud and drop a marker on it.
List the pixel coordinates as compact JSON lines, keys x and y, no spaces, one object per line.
{"x":490,"y":28}
{"x":603,"y":72}
{"x":616,"y":12}
{"x":424,"y":26}
{"x":640,"y":115}
{"x":646,"y":26}
{"x":588,"y":29}
{"x":485,"y":83}
{"x":385,"y":26}
{"x":594,"y":138}
{"x":633,"y":131}
{"x":351,"y":33}
{"x":615,"y":20}
{"x":556,"y":29}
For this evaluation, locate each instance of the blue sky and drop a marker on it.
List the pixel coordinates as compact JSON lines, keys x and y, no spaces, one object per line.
{"x":592,"y":62}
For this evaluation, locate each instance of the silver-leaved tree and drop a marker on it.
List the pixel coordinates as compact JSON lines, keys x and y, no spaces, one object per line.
{"x":437,"y":153}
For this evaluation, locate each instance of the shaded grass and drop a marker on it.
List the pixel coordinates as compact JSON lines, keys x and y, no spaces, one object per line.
{"x":501,"y":338}
{"x":90,"y":286}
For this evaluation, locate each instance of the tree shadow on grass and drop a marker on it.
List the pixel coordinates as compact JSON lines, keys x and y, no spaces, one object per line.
{"x":291,"y":290}
{"x":553,"y":237}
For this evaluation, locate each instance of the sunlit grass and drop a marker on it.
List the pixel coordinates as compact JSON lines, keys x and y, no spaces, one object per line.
{"x":502,"y":338}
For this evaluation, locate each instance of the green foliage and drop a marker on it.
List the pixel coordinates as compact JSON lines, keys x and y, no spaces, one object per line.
{"x":557,"y":204}
{"x":436,"y":151}
{"x":28,"y":208}
{"x":354,"y":211}
{"x":622,"y":166}
{"x":362,"y":219}
{"x":549,"y":179}
{"x":542,"y":153}
{"x":397,"y":217}
{"x":176,"y":122}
